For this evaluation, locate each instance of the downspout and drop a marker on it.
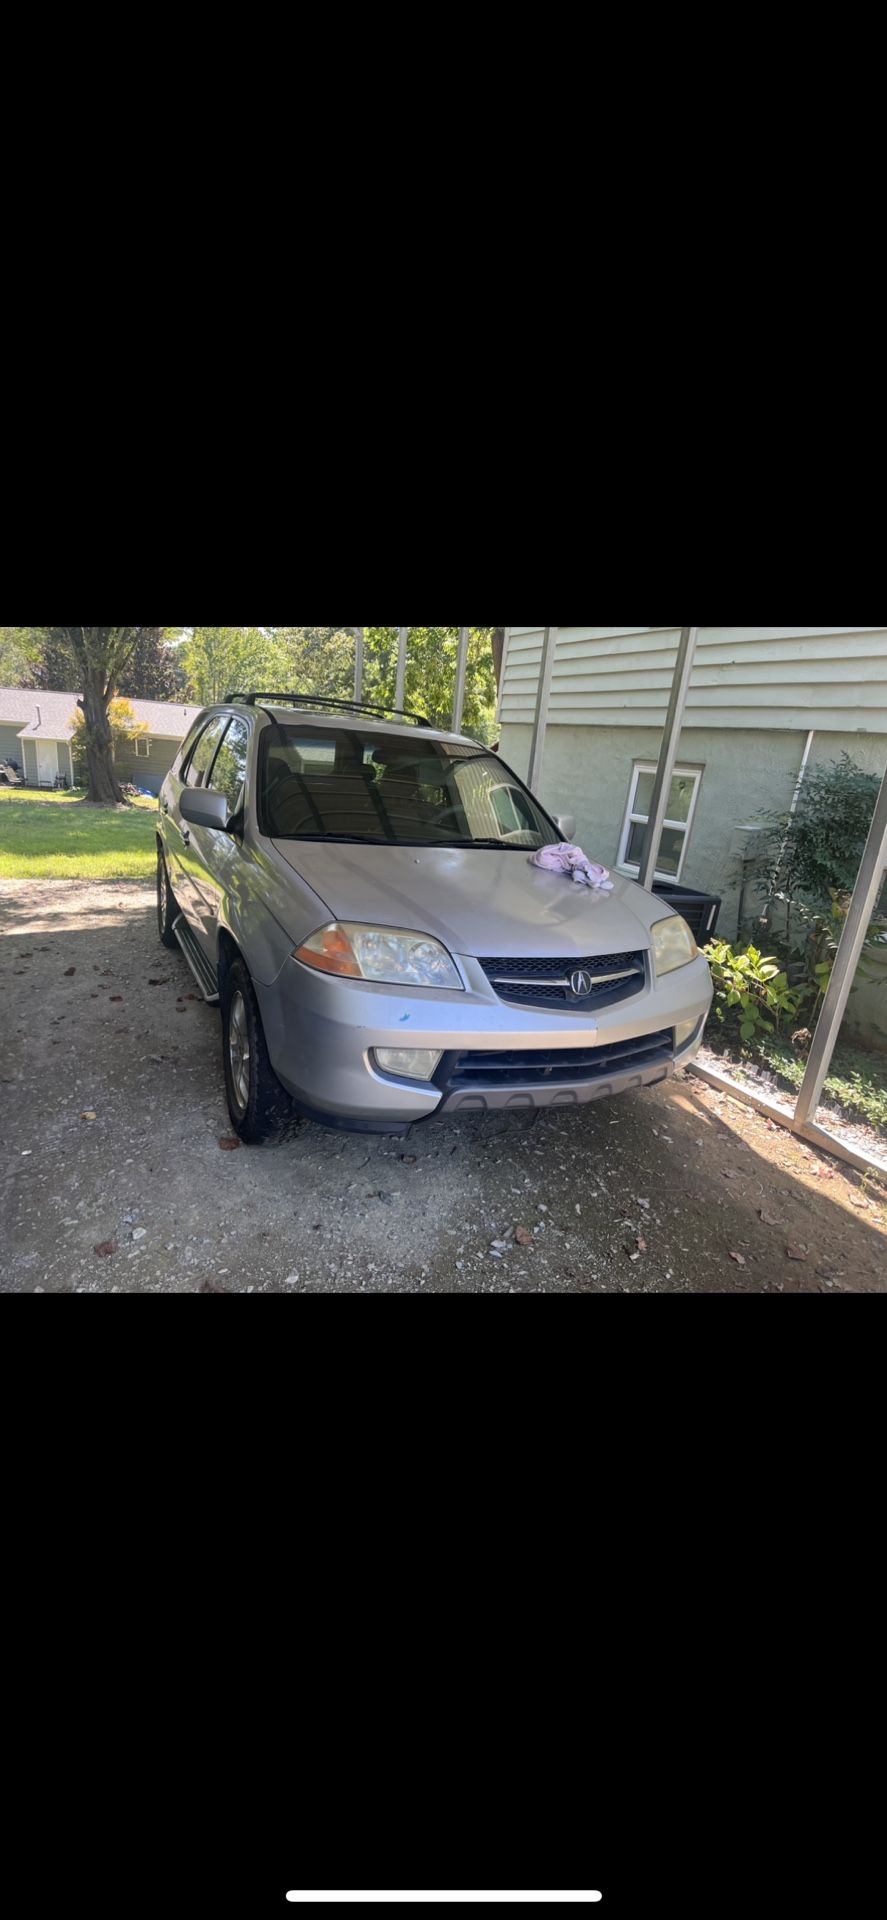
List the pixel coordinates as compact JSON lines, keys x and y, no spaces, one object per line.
{"x":801,"y":778}
{"x":796,"y":799}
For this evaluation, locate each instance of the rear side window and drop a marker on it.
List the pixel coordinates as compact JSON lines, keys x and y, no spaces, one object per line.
{"x":229,"y":772}
{"x":202,"y":758}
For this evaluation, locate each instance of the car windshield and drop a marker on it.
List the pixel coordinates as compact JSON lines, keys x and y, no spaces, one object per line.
{"x":368,"y":786}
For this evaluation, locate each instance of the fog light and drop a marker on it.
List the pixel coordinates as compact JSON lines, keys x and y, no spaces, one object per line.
{"x":409,"y":1063}
{"x":684,"y":1032}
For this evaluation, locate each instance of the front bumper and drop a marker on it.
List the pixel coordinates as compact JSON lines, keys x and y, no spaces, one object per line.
{"x":322,"y":1033}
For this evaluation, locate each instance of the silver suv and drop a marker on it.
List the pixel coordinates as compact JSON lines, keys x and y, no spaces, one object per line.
{"x":358,"y":896}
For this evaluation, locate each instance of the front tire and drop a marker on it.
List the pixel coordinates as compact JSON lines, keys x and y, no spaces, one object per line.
{"x":257,"y":1103}
{"x":167,"y":906}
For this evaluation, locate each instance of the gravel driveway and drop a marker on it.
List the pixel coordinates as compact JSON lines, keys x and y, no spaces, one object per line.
{"x":113,"y":1180}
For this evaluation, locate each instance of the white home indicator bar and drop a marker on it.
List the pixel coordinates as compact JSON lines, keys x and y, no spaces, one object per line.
{"x":538,"y":1899}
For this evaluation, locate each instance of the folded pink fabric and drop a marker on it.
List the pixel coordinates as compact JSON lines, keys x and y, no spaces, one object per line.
{"x":576,"y":865}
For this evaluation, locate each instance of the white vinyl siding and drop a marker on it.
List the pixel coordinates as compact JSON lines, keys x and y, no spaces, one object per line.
{"x":789,"y":678}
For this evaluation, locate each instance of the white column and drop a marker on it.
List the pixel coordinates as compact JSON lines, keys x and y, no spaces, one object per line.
{"x":543,"y":698}
{"x":671,"y":741}
{"x":461,"y":676}
{"x":403,"y":635}
{"x":499,"y":702}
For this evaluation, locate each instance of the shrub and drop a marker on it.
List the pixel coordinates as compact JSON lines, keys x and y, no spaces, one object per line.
{"x":814,"y":860}
{"x":817,"y":850}
{"x":751,"y":991}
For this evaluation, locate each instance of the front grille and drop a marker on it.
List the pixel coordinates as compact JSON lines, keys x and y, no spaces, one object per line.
{"x":554,"y":1066}
{"x":547,"y":983}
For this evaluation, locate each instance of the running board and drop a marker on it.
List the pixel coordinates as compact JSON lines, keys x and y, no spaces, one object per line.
{"x":197,"y":961}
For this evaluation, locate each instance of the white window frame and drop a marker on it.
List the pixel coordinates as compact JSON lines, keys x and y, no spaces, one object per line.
{"x":141,"y":740}
{"x":635,"y":819}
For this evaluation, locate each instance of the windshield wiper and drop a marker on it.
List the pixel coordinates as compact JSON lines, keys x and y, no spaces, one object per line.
{"x":337,"y":839}
{"x":501,"y":846}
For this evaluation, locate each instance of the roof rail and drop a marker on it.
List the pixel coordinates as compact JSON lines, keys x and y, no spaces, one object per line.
{"x":318,"y":700}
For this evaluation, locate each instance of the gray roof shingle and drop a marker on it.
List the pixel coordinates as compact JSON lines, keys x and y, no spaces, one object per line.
{"x":56,"y":714}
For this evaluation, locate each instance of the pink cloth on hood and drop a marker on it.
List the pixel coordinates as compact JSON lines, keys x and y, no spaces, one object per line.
{"x":571,"y":861}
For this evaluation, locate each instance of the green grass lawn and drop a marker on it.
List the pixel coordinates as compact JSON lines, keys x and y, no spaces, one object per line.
{"x":48,"y":836}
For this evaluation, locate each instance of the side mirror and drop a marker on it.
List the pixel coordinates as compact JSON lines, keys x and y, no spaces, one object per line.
{"x":201,"y":807}
{"x":566,"y":823}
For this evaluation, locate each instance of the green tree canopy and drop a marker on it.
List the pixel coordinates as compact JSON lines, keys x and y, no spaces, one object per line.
{"x":221,"y":660}
{"x":432,"y":659}
{"x":150,"y":671}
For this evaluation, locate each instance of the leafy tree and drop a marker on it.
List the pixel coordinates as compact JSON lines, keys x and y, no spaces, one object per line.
{"x":432,"y":660}
{"x":125,"y":728}
{"x":18,"y":651}
{"x":153,"y":672}
{"x":97,"y":659}
{"x":221,"y":660}
{"x":318,"y":660}
{"x":817,"y":850}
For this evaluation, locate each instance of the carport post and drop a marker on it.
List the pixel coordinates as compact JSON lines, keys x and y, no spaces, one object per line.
{"x":859,"y":919}
{"x":502,"y":672}
{"x":671,"y":741}
{"x":359,"y":650}
{"x":403,"y":635}
{"x":461,"y":678}
{"x":546,"y":671}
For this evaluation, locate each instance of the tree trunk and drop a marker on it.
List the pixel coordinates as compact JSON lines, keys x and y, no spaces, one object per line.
{"x":104,"y":786}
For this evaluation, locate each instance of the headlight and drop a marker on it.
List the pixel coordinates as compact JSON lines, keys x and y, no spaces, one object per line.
{"x":673,"y":944}
{"x":383,"y":954}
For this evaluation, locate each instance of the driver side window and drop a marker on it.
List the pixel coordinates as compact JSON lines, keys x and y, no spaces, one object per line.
{"x":229,"y":772}
{"x":202,"y":758}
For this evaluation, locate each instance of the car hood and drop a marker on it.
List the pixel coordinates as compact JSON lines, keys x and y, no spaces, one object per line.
{"x":478,"y":902}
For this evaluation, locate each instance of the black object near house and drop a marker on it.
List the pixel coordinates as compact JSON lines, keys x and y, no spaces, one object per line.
{"x":700,"y":910}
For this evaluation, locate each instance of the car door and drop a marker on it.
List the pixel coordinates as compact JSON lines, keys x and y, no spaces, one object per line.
{"x":214,"y":856}
{"x":182,"y":856}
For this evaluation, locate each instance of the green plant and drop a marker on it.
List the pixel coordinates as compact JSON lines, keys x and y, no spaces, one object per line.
{"x":751,"y":991}
{"x":813,"y":863}
{"x":813,"y":940}
{"x":816,"y":851}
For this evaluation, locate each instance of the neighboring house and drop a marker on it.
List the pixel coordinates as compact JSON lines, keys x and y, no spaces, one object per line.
{"x":37,"y":729}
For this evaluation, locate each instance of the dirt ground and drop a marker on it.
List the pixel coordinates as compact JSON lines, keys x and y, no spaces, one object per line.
{"x":113,"y":1180}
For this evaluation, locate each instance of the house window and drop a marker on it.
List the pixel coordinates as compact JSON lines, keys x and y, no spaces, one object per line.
{"x":678,"y":820}
{"x":143,"y":746}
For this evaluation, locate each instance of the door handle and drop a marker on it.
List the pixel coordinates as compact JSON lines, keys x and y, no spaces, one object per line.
{"x":186,"y":837}
{"x":165,"y":805}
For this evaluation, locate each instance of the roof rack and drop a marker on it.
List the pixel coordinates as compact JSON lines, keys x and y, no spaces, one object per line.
{"x":317,"y":700}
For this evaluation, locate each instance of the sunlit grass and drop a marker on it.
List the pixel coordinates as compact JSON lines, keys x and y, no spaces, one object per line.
{"x":50,"y":836}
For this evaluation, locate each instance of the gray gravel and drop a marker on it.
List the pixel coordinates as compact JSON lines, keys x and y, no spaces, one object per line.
{"x":677,"y":1190}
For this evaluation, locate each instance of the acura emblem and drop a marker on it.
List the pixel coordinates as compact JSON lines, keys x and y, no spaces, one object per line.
{"x":581,"y":984}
